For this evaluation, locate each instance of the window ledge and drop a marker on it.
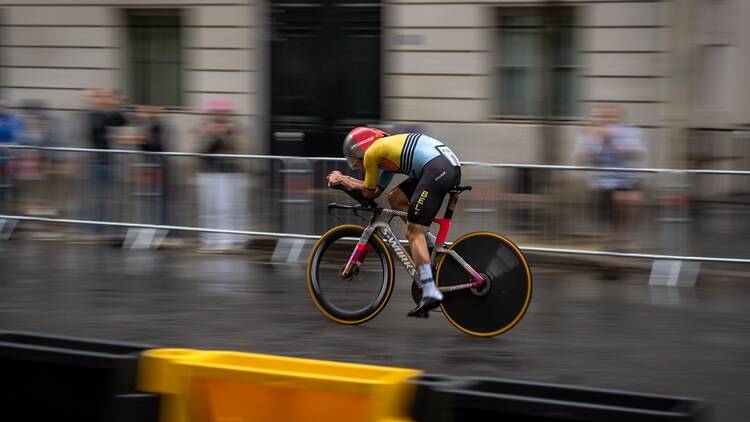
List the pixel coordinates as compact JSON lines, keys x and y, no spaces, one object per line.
{"x":574,"y":121}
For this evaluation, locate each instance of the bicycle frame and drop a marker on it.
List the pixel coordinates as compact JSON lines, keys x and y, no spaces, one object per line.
{"x":381,"y":221}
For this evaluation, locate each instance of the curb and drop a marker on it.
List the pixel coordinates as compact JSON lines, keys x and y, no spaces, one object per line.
{"x":590,"y":263}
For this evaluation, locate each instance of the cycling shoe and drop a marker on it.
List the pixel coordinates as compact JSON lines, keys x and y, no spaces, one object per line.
{"x":425,"y":306}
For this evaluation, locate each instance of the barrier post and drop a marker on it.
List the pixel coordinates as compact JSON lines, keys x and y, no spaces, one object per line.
{"x":675,"y":206}
{"x":7,"y":225}
{"x":296,"y":204}
{"x":6,"y":194}
{"x":148,"y":182}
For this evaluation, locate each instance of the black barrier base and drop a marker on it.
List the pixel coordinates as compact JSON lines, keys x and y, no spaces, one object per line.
{"x":444,"y":399}
{"x":136,"y":407}
{"x":432,"y":401}
{"x":54,"y":378}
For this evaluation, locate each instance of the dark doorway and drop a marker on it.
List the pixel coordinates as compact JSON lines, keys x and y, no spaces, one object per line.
{"x":325,"y":73}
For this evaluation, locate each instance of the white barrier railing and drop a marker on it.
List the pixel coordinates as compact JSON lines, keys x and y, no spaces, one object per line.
{"x":286,"y":197}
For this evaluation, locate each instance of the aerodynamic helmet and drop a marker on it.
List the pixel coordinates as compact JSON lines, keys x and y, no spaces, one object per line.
{"x":357,"y":142}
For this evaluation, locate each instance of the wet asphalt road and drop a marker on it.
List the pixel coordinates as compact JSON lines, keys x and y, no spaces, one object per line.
{"x":579,"y":329}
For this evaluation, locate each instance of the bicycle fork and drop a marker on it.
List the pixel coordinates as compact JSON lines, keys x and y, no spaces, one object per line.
{"x":359,"y":254}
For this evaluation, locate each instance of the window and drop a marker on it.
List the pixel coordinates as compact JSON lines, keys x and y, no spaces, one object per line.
{"x":154,"y":50}
{"x":534,"y":46}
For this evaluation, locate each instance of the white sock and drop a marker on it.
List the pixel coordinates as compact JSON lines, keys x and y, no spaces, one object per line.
{"x":430,"y":238}
{"x":428,"y":284}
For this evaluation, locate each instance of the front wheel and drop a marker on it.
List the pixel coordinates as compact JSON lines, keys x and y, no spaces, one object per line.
{"x":502,"y":301}
{"x":362,"y":295}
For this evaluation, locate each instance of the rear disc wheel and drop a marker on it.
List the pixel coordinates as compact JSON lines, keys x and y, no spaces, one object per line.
{"x":500,"y":303}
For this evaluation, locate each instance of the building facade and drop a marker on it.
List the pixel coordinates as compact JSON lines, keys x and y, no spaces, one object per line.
{"x":500,"y":81}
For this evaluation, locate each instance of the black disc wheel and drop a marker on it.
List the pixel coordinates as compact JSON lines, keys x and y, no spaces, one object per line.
{"x":501,"y":302}
{"x":352,"y":298}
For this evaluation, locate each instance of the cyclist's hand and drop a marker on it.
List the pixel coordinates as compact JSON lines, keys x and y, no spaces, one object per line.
{"x":335,"y":178}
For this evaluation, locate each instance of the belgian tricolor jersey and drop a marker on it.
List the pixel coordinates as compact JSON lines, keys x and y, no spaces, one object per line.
{"x":405,"y":153}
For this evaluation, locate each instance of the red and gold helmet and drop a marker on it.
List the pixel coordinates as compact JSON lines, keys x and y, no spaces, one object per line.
{"x":357,"y":142}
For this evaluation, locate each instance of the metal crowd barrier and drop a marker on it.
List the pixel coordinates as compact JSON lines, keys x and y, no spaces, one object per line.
{"x":683,"y":215}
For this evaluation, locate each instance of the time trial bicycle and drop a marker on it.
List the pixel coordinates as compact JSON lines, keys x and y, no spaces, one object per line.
{"x":484,"y":277}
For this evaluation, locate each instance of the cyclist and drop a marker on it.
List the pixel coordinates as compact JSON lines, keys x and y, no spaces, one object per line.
{"x":432,"y":170}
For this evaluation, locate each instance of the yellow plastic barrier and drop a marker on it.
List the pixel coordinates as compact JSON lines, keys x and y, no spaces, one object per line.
{"x":241,"y":387}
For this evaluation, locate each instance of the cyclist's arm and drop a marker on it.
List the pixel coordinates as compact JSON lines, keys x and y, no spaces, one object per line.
{"x":384,"y":178}
{"x":349,"y":182}
{"x":370,"y":187}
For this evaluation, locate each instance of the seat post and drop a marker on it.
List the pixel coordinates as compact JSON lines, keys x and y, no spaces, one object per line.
{"x":452,"y":200}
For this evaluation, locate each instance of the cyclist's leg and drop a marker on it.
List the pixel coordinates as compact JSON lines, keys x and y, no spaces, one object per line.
{"x":424,"y":205}
{"x":415,"y":235}
{"x":438,"y":177}
{"x":431,"y":296}
{"x":398,"y":199}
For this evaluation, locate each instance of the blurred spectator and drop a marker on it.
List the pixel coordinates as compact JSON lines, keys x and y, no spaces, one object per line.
{"x":11,"y":131}
{"x":11,"y":125}
{"x":607,"y":142}
{"x":222,"y":185}
{"x":44,"y":170}
{"x":42,"y":128}
{"x":153,"y":128}
{"x":104,"y":115}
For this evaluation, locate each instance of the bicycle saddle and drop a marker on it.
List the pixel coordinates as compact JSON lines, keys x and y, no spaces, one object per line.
{"x":460,"y":188}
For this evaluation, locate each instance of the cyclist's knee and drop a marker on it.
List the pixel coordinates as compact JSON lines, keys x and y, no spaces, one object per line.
{"x":414,"y":230}
{"x":393,"y":200}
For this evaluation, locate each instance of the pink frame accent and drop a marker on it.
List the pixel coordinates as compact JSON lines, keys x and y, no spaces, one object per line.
{"x":359,"y":254}
{"x":445,"y":226}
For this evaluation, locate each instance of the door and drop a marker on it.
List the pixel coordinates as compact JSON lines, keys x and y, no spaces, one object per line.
{"x":325,"y":74}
